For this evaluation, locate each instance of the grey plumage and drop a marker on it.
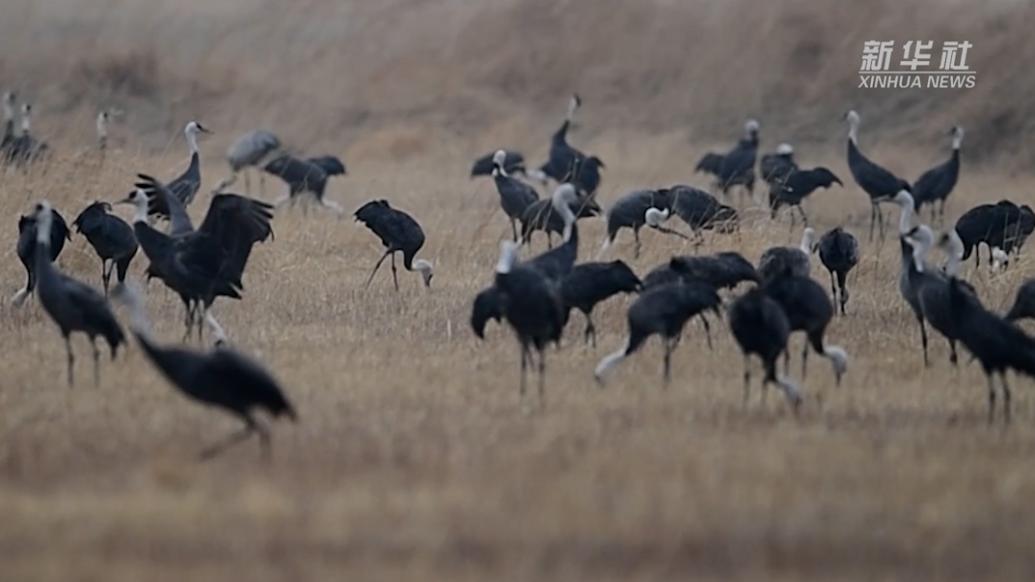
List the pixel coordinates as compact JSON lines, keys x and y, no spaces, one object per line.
{"x":515,"y":195}
{"x":26,"y":249}
{"x":878,"y":183}
{"x":111,"y":238}
{"x":702,"y":211}
{"x":761,"y":328}
{"x":839,"y":253}
{"x":781,"y":261}
{"x":808,"y":309}
{"x":934,"y":186}
{"x":591,"y":283}
{"x":630,"y":211}
{"x":185,"y":186}
{"x":723,"y":270}
{"x":399,"y":233}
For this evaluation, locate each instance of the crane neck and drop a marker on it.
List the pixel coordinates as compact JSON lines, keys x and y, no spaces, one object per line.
{"x":853,"y":132}
{"x":192,"y":142}
{"x":102,"y":127}
{"x":957,"y":141}
{"x":905,"y":218}
{"x":26,"y":123}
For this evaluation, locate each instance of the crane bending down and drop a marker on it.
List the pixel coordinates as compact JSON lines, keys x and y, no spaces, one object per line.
{"x":399,"y":232}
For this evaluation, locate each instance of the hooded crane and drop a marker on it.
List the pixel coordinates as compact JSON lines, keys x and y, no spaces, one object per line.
{"x":221,"y":377}
{"x":934,"y":186}
{"x":74,"y":306}
{"x":563,"y":157}
{"x":724,"y":270}
{"x":780,"y":261}
{"x":199,"y":265}
{"x":879,"y":184}
{"x":532,"y":307}
{"x":586,"y":175}
{"x":591,"y":283}
{"x":839,"y":253}
{"x":702,"y":211}
{"x":998,"y":344}
{"x":306,"y":176}
{"x":808,"y":309}
{"x":1003,"y":225}
{"x":761,"y":328}
{"x":555,"y":264}
{"x":631,"y":210}
{"x":26,"y":249}
{"x":185,"y":186}
{"x":7,"y":138}
{"x":515,"y":195}
{"x":252,"y":150}
{"x":542,"y":215}
{"x":736,"y":167}
{"x":1024,"y":303}
{"x":663,"y":311}
{"x":25,"y":148}
{"x":111,"y":238}
{"x":513,"y":163}
{"x":797,"y":186}
{"x":775,"y":167}
{"x":398,"y":232}
{"x":103,"y":120}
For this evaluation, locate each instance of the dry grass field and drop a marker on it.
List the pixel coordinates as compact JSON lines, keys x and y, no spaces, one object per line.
{"x":414,"y":458}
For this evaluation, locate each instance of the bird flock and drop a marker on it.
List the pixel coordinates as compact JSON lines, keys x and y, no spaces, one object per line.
{"x":764,"y":303}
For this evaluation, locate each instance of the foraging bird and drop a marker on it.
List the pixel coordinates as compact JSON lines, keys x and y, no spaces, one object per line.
{"x":781,"y":261}
{"x":25,"y":148}
{"x":74,"y":306}
{"x":199,"y":265}
{"x":630,"y":211}
{"x":398,"y":232}
{"x":221,"y":377}
{"x":839,"y":253}
{"x":111,"y":238}
{"x":878,"y":183}
{"x":26,"y":249}
{"x":702,"y":211}
{"x":513,"y":163}
{"x":808,"y":309}
{"x":723,"y":270}
{"x":1002,"y":225}
{"x":542,"y":215}
{"x":306,"y":176}
{"x":531,"y":306}
{"x":710,"y":163}
{"x":586,"y":175}
{"x":797,"y":186}
{"x":556,"y":263}
{"x":563,"y":157}
{"x":998,"y":344}
{"x":664,"y":311}
{"x":185,"y":186}
{"x":761,"y":328}
{"x":1024,"y":303}
{"x":515,"y":195}
{"x":934,"y":186}
{"x":487,"y":305}
{"x":252,"y":150}
{"x":591,"y":283}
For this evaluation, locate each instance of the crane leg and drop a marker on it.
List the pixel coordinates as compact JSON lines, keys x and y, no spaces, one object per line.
{"x":804,"y":217}
{"x":953,"y":357}
{"x":105,"y":275}
{"x":513,"y":229}
{"x":590,"y":335}
{"x":542,"y":378}
{"x":524,"y":369}
{"x":250,"y":426}
{"x":804,"y":358}
{"x":833,"y":286}
{"x":923,"y":338}
{"x":71,"y":361}
{"x":96,"y":362}
{"x":667,"y":361}
{"x":1007,"y":400}
{"x":707,"y":331}
{"x":636,"y":249}
{"x":395,"y":275}
{"x":873,"y":219}
{"x":217,"y":330}
{"x":747,"y":379}
{"x":377,"y":266}
{"x":842,"y":284}
{"x":991,"y":398}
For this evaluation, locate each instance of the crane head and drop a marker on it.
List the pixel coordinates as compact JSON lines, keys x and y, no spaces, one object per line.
{"x":194,"y":128}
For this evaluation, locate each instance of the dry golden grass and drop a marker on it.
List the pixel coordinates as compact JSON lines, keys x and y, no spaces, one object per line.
{"x":414,"y":458}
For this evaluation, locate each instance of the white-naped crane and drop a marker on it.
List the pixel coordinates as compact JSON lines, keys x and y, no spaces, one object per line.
{"x":8,"y":103}
{"x":72,"y":305}
{"x":185,"y":186}
{"x":878,"y":183}
{"x":701,"y":211}
{"x":221,"y":377}
{"x":399,"y":233}
{"x":634,"y":211}
{"x":26,"y":249}
{"x":111,"y":238}
{"x":26,"y":148}
{"x":556,"y":263}
{"x":203,"y":264}
{"x":809,"y":310}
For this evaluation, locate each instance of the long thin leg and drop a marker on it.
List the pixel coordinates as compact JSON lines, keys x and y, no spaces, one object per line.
{"x":105,"y":274}
{"x":96,"y":362}
{"x":991,"y":398}
{"x":880,"y":221}
{"x":953,"y":357}
{"x":217,"y":330}
{"x":590,"y":334}
{"x":524,"y":368}
{"x":747,"y":379}
{"x":804,"y":217}
{"x":833,"y":285}
{"x":377,"y":266}
{"x":804,"y":358}
{"x":636,"y":235}
{"x":542,"y":378}
{"x":707,"y":331}
{"x":873,"y":219}
{"x":513,"y":229}
{"x":250,"y":427}
{"x":1007,"y":400}
{"x":71,"y":360}
{"x":395,"y":276}
{"x":923,"y":338}
{"x":667,"y":369}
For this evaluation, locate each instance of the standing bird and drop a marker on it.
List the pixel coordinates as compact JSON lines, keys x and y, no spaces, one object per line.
{"x":542,"y":215}
{"x":781,"y":261}
{"x":998,"y":344}
{"x":563,"y":157}
{"x":934,"y":186}
{"x":199,"y":265}
{"x":630,"y":211}
{"x":761,"y":327}
{"x":586,"y":175}
{"x":398,"y":232}
{"x":839,"y":253}
{"x":879,"y":184}
{"x":185,"y":186}
{"x":513,"y":163}
{"x":591,"y":283}
{"x":103,"y":120}
{"x":25,"y":148}
{"x":252,"y":150}
{"x":306,"y":176}
{"x":1003,"y":225}
{"x":111,"y":238}
{"x":222,"y":377}
{"x":664,"y":311}
{"x":1024,"y":303}
{"x":555,"y":264}
{"x":7,"y":137}
{"x":738,"y":165}
{"x":775,"y":167}
{"x":532,"y":307}
{"x":808,"y":309}
{"x":73,"y":306}
{"x":515,"y":195}
{"x":797,"y":186}
{"x":26,"y":249}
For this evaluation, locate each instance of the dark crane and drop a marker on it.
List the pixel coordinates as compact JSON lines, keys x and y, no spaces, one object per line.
{"x":780,"y":261}
{"x":998,"y":344}
{"x":515,"y":195}
{"x":306,"y":176}
{"x":221,"y":377}
{"x":663,"y":311}
{"x":1024,"y":303}
{"x":185,"y":186}
{"x":797,"y":186}
{"x":630,"y":211}
{"x":26,"y":249}
{"x":702,"y":211}
{"x":200,"y":265}
{"x":26,"y":148}
{"x":542,"y":215}
{"x":563,"y":157}
{"x":1003,"y":225}
{"x":74,"y":306}
{"x":808,"y":309}
{"x":591,"y":283}
{"x":7,"y":137}
{"x":776,"y":166}
{"x":513,"y":163}
{"x":761,"y":328}
{"x":879,"y":184}
{"x":555,"y":264}
{"x":586,"y":175}
{"x":839,"y":253}
{"x":252,"y":150}
{"x":723,"y":270}
{"x":736,"y":167}
{"x":399,"y":233}
{"x":111,"y":238}
{"x":934,"y":186}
